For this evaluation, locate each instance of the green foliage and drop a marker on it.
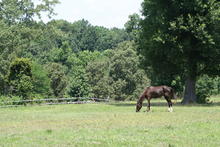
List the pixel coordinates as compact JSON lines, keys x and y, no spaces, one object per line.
{"x":116,"y":74}
{"x":206,"y":86}
{"x":83,"y":36}
{"x":19,"y":67}
{"x":78,"y":59}
{"x":18,"y":26}
{"x":111,"y":74}
{"x":20,"y":77}
{"x":63,"y":48}
{"x":97,"y":73}
{"x":10,"y":100}
{"x":41,"y":81}
{"x":132,"y":26}
{"x":16,"y":11}
{"x":125,"y":72}
{"x":79,"y":85}
{"x":216,"y":83}
{"x":180,"y":39}
{"x":58,"y":79}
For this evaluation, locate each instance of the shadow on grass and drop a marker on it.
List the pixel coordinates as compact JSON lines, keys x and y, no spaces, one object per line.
{"x":164,"y":104}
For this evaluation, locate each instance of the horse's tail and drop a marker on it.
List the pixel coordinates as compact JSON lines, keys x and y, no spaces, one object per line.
{"x":170,"y":90}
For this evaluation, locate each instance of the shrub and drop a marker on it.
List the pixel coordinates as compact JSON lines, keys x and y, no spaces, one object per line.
{"x":20,"y":78}
{"x":204,"y":88}
{"x":10,"y":100}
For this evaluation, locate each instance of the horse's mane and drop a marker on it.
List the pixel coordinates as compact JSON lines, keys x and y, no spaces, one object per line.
{"x":142,"y":96}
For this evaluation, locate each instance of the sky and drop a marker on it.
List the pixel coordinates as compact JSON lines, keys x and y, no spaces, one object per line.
{"x":107,"y":13}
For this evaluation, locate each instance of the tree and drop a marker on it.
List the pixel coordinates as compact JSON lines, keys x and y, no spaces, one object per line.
{"x":41,"y":81}
{"x":24,"y":11}
{"x":18,"y":30}
{"x":58,"y":79}
{"x":97,"y":73}
{"x":132,"y":26}
{"x":81,"y":35}
{"x":18,"y":26}
{"x":109,"y":38}
{"x":128,"y":80}
{"x":181,"y":38}
{"x":20,"y":78}
{"x":78,"y":85}
{"x":204,"y":87}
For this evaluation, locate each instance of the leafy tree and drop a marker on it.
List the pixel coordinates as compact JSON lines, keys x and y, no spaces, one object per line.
{"x":44,"y":41}
{"x":58,"y":79}
{"x":17,"y":22}
{"x":109,"y":38}
{"x":216,"y":82}
{"x":128,"y":80}
{"x":60,"y":55}
{"x":20,"y":77}
{"x":19,"y":11}
{"x":181,"y":38}
{"x":78,"y":85}
{"x":132,"y":26}
{"x":207,"y":86}
{"x":204,"y":88}
{"x":83,"y":36}
{"x":18,"y":31}
{"x":97,"y":73}
{"x":41,"y":81}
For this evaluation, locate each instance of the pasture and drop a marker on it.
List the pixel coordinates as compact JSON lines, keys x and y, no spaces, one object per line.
{"x":112,"y":124}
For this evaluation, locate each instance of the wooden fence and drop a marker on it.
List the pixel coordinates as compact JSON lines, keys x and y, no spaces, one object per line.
{"x":52,"y":101}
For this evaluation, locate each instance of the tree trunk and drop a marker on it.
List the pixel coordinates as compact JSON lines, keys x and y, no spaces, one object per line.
{"x":190,"y":91}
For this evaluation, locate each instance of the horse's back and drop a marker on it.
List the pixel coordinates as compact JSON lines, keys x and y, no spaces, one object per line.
{"x":154,"y":91}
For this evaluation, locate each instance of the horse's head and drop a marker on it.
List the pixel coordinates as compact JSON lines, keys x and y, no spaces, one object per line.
{"x":138,"y":106}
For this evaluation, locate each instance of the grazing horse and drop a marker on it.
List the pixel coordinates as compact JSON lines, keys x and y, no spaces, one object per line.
{"x":156,"y":92}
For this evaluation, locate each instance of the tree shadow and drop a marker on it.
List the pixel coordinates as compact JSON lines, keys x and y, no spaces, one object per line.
{"x":124,"y":104}
{"x":163,"y":104}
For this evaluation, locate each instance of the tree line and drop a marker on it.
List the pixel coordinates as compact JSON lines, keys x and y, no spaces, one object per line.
{"x":76,"y":59}
{"x":63,"y":59}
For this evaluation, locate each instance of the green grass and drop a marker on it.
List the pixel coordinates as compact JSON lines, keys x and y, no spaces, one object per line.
{"x":115,"y":124}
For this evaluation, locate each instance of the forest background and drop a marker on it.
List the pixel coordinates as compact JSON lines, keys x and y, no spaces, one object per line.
{"x":76,"y":59}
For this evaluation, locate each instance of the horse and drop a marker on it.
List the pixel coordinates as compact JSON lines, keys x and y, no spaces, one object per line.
{"x":156,"y":92}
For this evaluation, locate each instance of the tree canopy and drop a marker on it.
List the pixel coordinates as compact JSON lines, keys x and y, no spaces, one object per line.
{"x":181,"y":38}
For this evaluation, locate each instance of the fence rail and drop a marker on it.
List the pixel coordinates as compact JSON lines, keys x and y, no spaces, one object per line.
{"x":53,"y":101}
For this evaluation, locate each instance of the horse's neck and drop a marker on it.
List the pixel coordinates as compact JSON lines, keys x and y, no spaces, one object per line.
{"x":141,"y":99}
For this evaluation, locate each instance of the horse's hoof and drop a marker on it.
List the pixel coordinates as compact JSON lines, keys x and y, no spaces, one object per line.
{"x":170,"y":109}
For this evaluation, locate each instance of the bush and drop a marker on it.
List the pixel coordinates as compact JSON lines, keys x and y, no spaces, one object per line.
{"x":41,"y":82}
{"x":20,"y":77}
{"x":204,"y":88}
{"x":10,"y":100}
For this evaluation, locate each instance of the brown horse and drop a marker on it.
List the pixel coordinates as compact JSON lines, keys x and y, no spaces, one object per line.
{"x":156,"y":92}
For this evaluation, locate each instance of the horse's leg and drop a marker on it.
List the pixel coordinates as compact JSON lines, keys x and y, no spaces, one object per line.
{"x":171,"y":105}
{"x":169,"y":102}
{"x":148,"y":106}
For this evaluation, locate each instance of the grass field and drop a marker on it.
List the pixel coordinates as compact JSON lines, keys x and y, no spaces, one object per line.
{"x":114,"y":124}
